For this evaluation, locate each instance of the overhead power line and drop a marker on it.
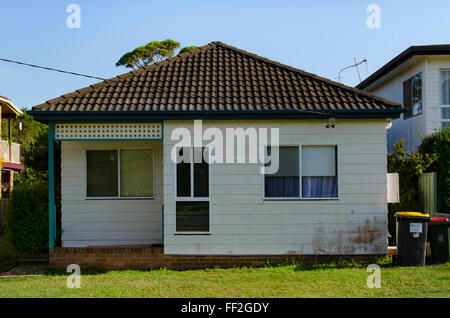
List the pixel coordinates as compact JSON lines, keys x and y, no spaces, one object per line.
{"x":52,"y":69}
{"x":331,"y":116}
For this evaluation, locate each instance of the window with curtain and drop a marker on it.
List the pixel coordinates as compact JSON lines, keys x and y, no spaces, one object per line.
{"x":319,"y":173}
{"x":285,"y":182}
{"x":412,"y":95}
{"x":192,"y":184}
{"x":314,"y":175}
{"x":133,"y":167}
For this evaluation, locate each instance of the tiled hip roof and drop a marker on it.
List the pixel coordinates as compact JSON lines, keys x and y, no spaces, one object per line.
{"x":216,"y":79}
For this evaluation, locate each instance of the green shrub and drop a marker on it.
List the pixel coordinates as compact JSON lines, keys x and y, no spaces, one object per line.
{"x":409,"y":166}
{"x":28,"y":217}
{"x":438,"y":144}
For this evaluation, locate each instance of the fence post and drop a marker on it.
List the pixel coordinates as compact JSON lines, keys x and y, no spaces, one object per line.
{"x":428,"y":191}
{"x":51,"y":187}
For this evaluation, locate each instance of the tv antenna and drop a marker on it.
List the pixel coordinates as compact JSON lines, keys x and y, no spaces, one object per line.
{"x":355,"y":65}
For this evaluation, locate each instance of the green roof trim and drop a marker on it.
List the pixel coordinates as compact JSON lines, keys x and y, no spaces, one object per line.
{"x":121,"y":116}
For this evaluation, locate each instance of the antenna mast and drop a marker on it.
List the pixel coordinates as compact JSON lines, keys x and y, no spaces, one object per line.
{"x":356,"y":64}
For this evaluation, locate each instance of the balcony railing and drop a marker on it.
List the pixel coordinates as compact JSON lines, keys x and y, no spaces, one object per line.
{"x":10,"y":152}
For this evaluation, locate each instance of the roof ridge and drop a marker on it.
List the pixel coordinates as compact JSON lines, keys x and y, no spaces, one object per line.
{"x":308,"y":74}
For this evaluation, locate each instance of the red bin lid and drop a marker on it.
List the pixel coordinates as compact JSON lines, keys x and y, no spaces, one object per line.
{"x":439,"y":220}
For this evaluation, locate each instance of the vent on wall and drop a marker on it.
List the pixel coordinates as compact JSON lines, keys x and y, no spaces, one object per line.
{"x":108,"y":131}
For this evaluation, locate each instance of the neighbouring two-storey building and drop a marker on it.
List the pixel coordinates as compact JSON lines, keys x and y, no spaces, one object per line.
{"x":419,"y":78}
{"x":10,"y":152}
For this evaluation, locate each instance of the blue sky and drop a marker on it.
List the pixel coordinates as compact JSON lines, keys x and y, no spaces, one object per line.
{"x":320,"y":36}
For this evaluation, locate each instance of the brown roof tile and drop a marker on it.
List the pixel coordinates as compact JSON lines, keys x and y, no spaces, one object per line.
{"x":216,"y":78}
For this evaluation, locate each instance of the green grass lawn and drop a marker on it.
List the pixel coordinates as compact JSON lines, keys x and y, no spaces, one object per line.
{"x":272,"y":281}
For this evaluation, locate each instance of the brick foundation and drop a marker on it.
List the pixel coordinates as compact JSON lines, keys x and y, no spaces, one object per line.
{"x":154,"y":257}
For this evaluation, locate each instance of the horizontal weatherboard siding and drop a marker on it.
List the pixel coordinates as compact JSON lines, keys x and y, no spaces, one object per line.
{"x":242,"y":222}
{"x":97,"y":222}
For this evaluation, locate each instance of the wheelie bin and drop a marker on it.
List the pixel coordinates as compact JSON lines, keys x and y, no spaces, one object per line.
{"x":438,"y":235}
{"x":411,"y":238}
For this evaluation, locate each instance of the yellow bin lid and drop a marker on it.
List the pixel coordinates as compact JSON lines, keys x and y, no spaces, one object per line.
{"x":413,"y":214}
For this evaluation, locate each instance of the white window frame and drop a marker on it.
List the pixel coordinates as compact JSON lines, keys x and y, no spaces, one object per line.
{"x":118,"y":197}
{"x":191,"y":197}
{"x":443,"y":120}
{"x":300,"y":198}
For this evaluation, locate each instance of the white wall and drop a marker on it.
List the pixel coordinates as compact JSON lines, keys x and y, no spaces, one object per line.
{"x":435,"y":65}
{"x":95,"y":222}
{"x":412,"y":128}
{"x":243,"y":223}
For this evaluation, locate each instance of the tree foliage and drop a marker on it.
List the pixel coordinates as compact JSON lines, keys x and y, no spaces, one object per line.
{"x":28,"y":217}
{"x":31,"y":130}
{"x":34,"y":139}
{"x":150,"y":53}
{"x":438,"y":145}
{"x":409,"y":166}
{"x":188,"y":48}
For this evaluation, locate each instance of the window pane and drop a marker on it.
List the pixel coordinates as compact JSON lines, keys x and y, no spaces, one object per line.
{"x":288,"y":162}
{"x":445,"y":113}
{"x":192,"y":216}
{"x":407,"y":95}
{"x":319,"y":178}
{"x":319,"y":187}
{"x":445,"y":87}
{"x":417,"y":94}
{"x":201,"y":173}
{"x":136,"y":172}
{"x":412,"y":95}
{"x":285,"y":182}
{"x":184,"y":173}
{"x":318,"y":161}
{"x":281,"y":187}
{"x":102,"y":176}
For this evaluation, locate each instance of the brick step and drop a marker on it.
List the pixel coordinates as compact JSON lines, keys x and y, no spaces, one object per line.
{"x":31,"y":260}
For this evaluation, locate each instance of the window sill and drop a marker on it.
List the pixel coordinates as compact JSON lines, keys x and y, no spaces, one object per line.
{"x":192,"y":233}
{"x":116,"y":198}
{"x":301,"y":199}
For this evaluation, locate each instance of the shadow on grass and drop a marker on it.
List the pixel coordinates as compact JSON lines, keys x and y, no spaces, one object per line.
{"x":92,"y":270}
{"x":344,"y":264}
{"x":382,"y":262}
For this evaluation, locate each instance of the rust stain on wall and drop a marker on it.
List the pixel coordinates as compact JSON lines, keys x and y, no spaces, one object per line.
{"x":361,"y":238}
{"x":365,"y":234}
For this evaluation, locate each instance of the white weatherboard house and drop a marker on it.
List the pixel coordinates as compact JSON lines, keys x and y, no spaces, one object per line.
{"x":123,"y":193}
{"x":419,"y":78}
